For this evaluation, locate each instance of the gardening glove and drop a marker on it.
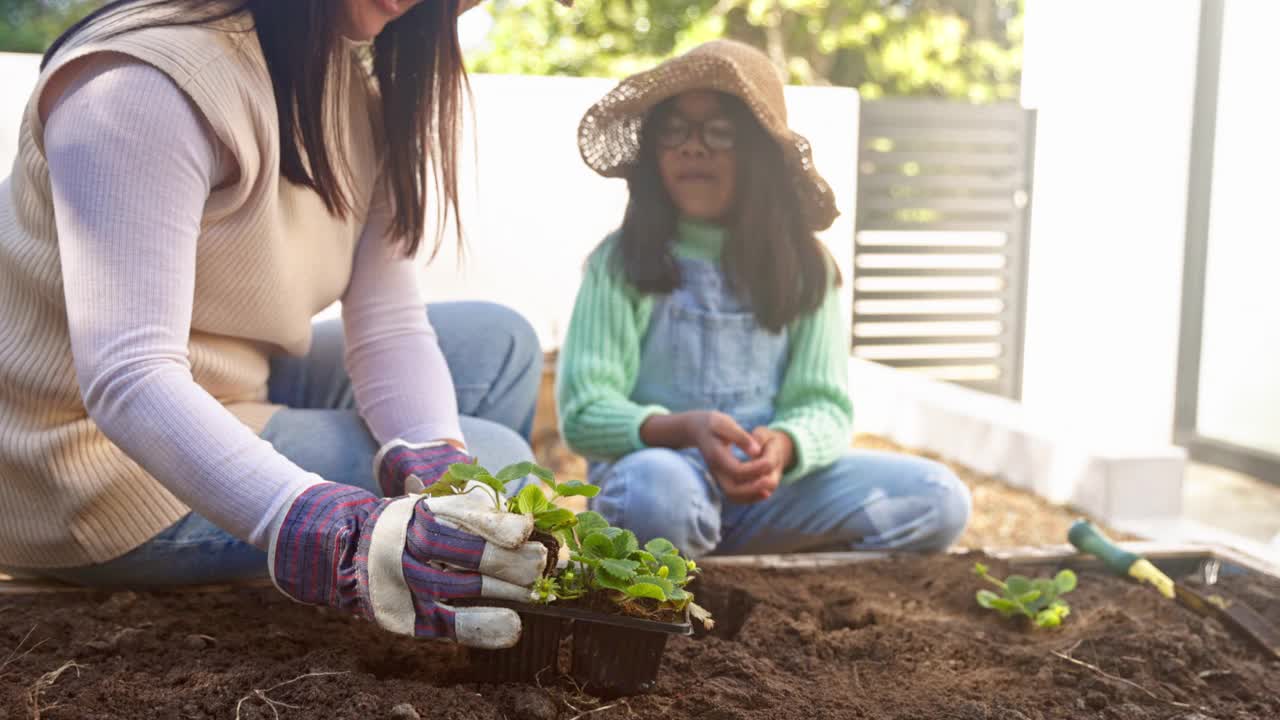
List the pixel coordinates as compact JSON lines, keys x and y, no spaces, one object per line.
{"x":399,"y":561}
{"x":406,"y":468}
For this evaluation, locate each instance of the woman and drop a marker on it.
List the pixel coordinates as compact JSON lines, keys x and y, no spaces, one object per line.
{"x":195,"y":181}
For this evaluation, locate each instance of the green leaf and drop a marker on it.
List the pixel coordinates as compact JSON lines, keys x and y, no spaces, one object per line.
{"x":543,"y":474}
{"x":1065,"y":581}
{"x":1018,"y":585}
{"x":609,"y":583}
{"x":597,"y":545}
{"x":1028,"y":597}
{"x":625,"y":543}
{"x":584,"y":559}
{"x":979,"y":569}
{"x":1007,"y":607}
{"x":1036,"y":599}
{"x":531,"y":501}
{"x":620,"y":570}
{"x":1053,"y":615}
{"x":660,"y":547}
{"x":577,"y":488}
{"x":590,"y":521}
{"x":1048,"y":592}
{"x":648,"y":560}
{"x":498,"y":488}
{"x":665,"y":584}
{"x":514,"y":472}
{"x":567,"y":538}
{"x":646,"y":590}
{"x":554,"y":519}
{"x":447,"y":485}
{"x":677,"y":570}
{"x":570,"y":539}
{"x":466,"y":471}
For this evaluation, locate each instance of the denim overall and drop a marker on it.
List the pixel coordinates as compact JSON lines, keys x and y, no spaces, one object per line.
{"x":704,"y":350}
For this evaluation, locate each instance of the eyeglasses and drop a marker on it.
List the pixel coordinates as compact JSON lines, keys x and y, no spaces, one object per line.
{"x":716,"y":134}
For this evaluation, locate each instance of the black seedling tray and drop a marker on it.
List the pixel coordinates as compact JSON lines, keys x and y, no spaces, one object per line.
{"x":730,"y":606}
{"x":613,"y":655}
{"x":538,"y":651}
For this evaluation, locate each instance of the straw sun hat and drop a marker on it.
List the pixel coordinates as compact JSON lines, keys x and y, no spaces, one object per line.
{"x":609,"y":135}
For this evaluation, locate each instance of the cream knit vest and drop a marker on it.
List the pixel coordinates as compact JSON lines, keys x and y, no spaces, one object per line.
{"x":269,"y":257}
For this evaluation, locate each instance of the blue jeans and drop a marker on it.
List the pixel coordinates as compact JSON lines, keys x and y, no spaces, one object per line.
{"x":496,"y":363}
{"x":864,"y":501}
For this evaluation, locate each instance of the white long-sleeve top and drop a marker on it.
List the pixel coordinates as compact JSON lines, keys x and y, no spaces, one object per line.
{"x":131,"y":165}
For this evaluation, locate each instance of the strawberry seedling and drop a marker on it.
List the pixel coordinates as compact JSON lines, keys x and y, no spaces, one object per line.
{"x":1038,"y":600}
{"x":605,"y":562}
{"x":530,"y":501}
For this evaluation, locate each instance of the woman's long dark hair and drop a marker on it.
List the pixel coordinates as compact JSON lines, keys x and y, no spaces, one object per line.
{"x":417,"y":66}
{"x":771,"y":258}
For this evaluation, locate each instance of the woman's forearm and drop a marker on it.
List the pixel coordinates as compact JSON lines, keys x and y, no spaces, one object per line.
{"x":402,"y":384}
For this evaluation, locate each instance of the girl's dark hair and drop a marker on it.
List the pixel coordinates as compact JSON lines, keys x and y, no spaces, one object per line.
{"x":418,"y":70}
{"x":771,"y":258}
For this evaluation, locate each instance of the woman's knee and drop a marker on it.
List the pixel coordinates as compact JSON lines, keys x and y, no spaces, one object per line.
{"x":493,"y":444}
{"x":506,"y":327}
{"x":513,"y":394}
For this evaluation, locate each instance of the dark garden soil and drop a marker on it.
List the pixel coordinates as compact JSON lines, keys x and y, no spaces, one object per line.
{"x":899,"y":638}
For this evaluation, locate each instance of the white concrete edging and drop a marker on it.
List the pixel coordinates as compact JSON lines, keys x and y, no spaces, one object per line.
{"x":998,"y":437}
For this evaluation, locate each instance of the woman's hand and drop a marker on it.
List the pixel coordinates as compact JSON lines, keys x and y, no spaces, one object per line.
{"x":402,"y":468}
{"x":400,"y":562}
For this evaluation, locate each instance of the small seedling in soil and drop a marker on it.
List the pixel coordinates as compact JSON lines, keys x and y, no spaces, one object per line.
{"x":1038,"y":600}
{"x":605,"y":562}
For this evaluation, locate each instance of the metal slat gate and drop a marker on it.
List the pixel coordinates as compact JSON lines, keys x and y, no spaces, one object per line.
{"x":940,"y":251}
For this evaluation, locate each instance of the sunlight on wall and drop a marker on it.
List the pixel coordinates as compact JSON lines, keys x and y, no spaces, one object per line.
{"x":1108,"y":214}
{"x":1240,"y":355}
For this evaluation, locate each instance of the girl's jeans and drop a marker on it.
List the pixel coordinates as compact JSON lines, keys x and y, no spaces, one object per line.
{"x":864,"y":501}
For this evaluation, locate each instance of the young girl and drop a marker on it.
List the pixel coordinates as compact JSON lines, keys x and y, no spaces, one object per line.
{"x":705,"y":368}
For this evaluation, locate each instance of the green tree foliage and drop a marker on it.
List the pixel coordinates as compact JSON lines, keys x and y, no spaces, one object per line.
{"x":30,"y":25}
{"x":968,"y":49}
